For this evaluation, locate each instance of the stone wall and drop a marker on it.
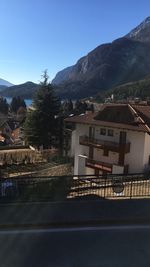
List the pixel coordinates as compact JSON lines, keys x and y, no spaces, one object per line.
{"x":25,"y":155}
{"x":60,"y":170}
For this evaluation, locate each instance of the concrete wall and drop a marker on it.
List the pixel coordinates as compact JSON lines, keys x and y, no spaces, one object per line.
{"x":81,"y":165}
{"x":73,"y":140}
{"x":135,"y":158}
{"x":117,"y":169}
{"x":79,"y":150}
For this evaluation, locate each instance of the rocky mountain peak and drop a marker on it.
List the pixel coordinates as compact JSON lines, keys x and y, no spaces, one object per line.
{"x":141,"y":32}
{"x":147,"y":20}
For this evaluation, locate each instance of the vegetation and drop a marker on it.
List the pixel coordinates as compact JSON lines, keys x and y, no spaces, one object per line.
{"x":16,"y":103}
{"x":3,"y":106}
{"x":25,"y":90}
{"x":42,"y":125}
{"x":139,"y":89}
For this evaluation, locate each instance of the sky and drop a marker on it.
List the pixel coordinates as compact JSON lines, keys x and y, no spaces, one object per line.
{"x":53,"y":34}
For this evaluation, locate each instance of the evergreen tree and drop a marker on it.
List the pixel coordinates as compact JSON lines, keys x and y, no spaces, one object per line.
{"x":16,"y":103}
{"x":67,"y":107}
{"x":42,"y":123}
{"x":21,"y":114}
{"x":3,"y":105}
{"x":80,"y":107}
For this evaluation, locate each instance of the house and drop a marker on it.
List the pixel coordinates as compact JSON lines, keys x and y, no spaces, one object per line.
{"x":17,"y":136}
{"x":5,"y":130}
{"x":115,"y":140}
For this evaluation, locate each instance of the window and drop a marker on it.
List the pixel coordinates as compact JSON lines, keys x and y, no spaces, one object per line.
{"x":106,"y":153}
{"x":110,"y":132}
{"x":103,"y":131}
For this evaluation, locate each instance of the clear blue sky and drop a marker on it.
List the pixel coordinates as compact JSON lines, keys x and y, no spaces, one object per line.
{"x":53,"y":34}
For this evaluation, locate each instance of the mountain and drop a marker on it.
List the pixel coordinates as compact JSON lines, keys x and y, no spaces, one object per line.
{"x":141,"y":32}
{"x":139,"y":89}
{"x":25,"y":90}
{"x":3,"y":87}
{"x":5,"y":83}
{"x":124,"y":60}
{"x":62,"y":75}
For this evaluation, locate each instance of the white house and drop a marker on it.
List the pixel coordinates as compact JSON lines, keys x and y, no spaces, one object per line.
{"x":114,"y":140}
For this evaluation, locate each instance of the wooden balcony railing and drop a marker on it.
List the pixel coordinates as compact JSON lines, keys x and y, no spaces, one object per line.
{"x":103,"y":166}
{"x":112,"y":146}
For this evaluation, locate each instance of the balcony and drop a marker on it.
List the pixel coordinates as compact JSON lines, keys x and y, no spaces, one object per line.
{"x":102,"y":166}
{"x":106,"y":167}
{"x":110,"y":146}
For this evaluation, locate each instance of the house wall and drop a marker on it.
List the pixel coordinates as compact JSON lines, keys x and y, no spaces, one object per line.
{"x":79,"y":150}
{"x":137,"y":145}
{"x":117,"y":169}
{"x":114,"y":138}
{"x":73,"y":139}
{"x":81,"y":164}
{"x":146,"y":152}
{"x":111,"y":158}
{"x":136,"y":158}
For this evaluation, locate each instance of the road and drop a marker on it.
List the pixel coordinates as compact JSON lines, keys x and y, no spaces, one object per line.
{"x":107,"y":246}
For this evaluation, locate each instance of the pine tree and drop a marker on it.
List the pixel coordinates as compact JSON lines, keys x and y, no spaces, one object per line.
{"x":16,"y":103}
{"x":3,"y":105}
{"x":41,"y":124}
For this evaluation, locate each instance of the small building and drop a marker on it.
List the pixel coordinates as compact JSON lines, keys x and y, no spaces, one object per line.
{"x":115,"y":140}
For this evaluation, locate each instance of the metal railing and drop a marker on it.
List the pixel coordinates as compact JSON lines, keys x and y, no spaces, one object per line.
{"x":63,"y":188}
{"x":99,"y":164}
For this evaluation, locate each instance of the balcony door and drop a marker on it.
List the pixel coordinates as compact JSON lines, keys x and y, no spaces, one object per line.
{"x":122,"y":141}
{"x":91,"y":132}
{"x":123,"y":137}
{"x":91,"y":136}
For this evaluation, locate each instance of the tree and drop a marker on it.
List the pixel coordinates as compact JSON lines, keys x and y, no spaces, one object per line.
{"x":3,"y":105}
{"x":32,"y":131}
{"x":67,"y":107}
{"x":80,"y":107}
{"x":21,"y":114}
{"x":42,"y":123}
{"x":16,"y":103}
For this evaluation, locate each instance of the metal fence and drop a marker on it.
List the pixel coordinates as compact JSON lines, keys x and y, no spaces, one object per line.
{"x":112,"y":187}
{"x":29,"y":188}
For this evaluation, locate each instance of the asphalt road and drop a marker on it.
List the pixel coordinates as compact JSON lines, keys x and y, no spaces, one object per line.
{"x":115,"y":246}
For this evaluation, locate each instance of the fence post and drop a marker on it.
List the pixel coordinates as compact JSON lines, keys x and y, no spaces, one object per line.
{"x":131,"y":189}
{"x":105,"y":187}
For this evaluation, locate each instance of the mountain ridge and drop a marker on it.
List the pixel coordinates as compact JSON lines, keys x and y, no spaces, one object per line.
{"x":25,"y":90}
{"x":141,"y":32}
{"x":125,"y":59}
{"x":5,"y":83}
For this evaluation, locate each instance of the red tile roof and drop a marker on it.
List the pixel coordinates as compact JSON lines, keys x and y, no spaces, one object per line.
{"x":122,"y":116}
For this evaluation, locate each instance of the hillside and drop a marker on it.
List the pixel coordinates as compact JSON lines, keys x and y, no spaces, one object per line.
{"x":124,"y":60}
{"x":139,"y":89}
{"x":25,"y":90}
{"x":3,"y":87}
